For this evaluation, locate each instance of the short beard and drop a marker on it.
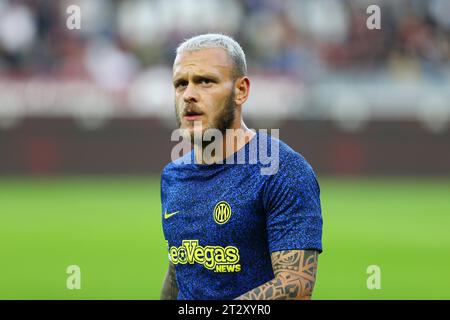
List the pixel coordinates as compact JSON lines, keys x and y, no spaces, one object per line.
{"x":222,"y":121}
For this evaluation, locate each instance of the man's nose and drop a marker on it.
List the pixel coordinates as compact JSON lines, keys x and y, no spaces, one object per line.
{"x":190,"y":94}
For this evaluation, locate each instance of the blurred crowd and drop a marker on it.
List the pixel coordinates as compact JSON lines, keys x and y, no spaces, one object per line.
{"x":119,"y":39}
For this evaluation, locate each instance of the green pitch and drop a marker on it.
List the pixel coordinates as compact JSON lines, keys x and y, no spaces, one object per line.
{"x":111,"y":229}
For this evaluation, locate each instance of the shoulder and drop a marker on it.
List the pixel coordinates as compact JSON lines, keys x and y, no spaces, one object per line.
{"x":293,"y":171}
{"x":290,"y":161}
{"x":293,"y":162}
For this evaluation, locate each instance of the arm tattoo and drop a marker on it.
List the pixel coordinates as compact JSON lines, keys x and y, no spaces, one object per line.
{"x":169,"y":290}
{"x":295,"y":274}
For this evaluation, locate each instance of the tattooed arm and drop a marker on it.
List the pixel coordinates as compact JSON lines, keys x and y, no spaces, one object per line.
{"x":295,"y":275}
{"x":169,"y":290}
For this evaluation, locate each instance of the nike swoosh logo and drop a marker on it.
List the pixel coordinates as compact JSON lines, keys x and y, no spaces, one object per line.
{"x":168,"y":215}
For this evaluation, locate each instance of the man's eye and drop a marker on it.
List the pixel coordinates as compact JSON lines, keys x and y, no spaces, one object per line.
{"x":205,"y":81}
{"x":180,"y":84}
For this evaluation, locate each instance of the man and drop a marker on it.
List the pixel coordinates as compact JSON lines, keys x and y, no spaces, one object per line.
{"x":232,"y":232}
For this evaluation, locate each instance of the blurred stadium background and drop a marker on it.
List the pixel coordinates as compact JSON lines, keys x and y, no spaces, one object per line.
{"x":86,"y":117}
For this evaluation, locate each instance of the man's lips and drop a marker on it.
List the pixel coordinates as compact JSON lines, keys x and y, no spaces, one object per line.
{"x":193,"y":116}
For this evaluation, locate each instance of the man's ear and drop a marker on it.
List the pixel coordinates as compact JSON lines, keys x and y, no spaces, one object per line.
{"x":242,"y":90}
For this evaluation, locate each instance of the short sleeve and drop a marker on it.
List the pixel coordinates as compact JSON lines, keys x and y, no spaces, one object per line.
{"x":292,"y":205}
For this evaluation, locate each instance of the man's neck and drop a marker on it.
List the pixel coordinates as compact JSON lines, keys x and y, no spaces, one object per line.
{"x":228,"y":144}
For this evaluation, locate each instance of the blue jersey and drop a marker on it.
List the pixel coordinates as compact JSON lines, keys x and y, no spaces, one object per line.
{"x":222,"y":221}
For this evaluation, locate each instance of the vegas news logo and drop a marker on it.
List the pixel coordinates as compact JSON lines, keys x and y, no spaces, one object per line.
{"x":217,"y":258}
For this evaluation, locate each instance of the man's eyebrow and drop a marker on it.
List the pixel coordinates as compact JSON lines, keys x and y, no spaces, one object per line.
{"x":197,"y":77}
{"x":206,"y":76}
{"x":177,"y":79}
